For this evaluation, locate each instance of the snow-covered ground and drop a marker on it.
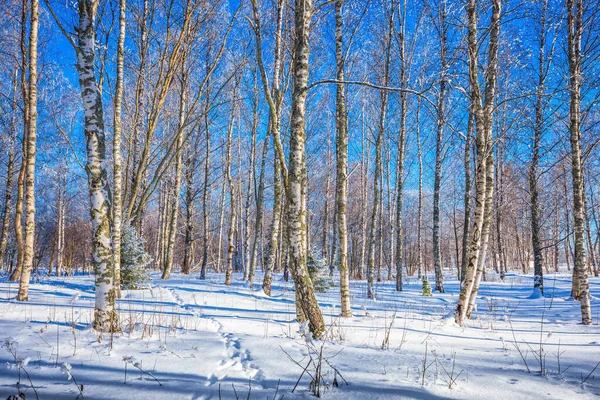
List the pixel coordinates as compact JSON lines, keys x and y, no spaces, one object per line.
{"x":190,"y":339}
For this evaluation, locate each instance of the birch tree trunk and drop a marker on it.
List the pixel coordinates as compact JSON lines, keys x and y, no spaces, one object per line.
{"x":105,"y":316}
{"x":10,"y":166}
{"x":592,"y":264}
{"x":580,"y":278}
{"x":232,"y":195}
{"x":325,"y":224}
{"x":248,"y":265}
{"x":342,"y":165}
{"x":274,"y":99}
{"x":60,"y":219}
{"x":174,"y":212}
{"x":206,"y":192}
{"x":16,"y":274}
{"x":483,"y":107}
{"x":364,"y":165}
{"x":399,"y":253}
{"x":499,"y":206}
{"x":31,"y":155}
{"x":271,"y":255}
{"x":158,"y":249}
{"x":443,"y":36}
{"x":117,"y":162}
{"x":538,"y":279}
{"x":221,"y":217}
{"x":188,"y":256}
{"x":378,"y":149}
{"x":259,"y":213}
{"x":486,"y":227}
{"x":296,"y":185}
{"x":420,"y":199}
{"x":468,"y":193}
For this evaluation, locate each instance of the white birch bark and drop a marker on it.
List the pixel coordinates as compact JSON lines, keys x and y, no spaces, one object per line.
{"x":105,"y":316}
{"x":306,"y":301}
{"x":117,"y":162}
{"x":174,"y":212}
{"x":483,"y":107}
{"x":31,"y":155}
{"x":232,"y":195}
{"x":342,"y":165}
{"x":580,"y":278}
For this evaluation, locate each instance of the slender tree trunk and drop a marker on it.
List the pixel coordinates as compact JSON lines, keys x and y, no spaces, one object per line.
{"x":380,"y":222}
{"x":189,"y":240}
{"x":105,"y":318}
{"x":174,"y":212}
{"x":306,"y":305}
{"x":271,"y":255}
{"x":325,"y":225}
{"x":260,"y":194}
{"x":221,"y":217}
{"x":275,"y":98}
{"x":468,"y":193}
{"x":486,"y":227}
{"x":399,"y":253}
{"x":439,"y":157}
{"x":10,"y":166}
{"x":556,"y":235}
{"x":499,"y":207}
{"x":342,"y":165}
{"x":483,"y":105}
{"x":248,"y":264}
{"x":232,"y":195}
{"x":538,"y":279}
{"x":420,"y":200}
{"x":377,"y":178}
{"x":206,"y":192}
{"x":60,"y":221}
{"x":364,"y":165}
{"x":31,"y":155}
{"x":157,"y":248}
{"x":456,"y":242}
{"x":16,"y":274}
{"x":588,"y":232}
{"x":117,"y":162}
{"x":575,"y":28}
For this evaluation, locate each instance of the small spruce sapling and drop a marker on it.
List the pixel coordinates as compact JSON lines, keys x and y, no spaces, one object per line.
{"x":319,"y":272}
{"x":134,"y":259}
{"x":426,"y":291}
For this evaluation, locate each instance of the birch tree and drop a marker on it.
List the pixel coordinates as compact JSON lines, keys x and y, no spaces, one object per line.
{"x":538,"y":280}
{"x":342,"y":163}
{"x":383,"y":97}
{"x":232,"y":190}
{"x":31,"y":154}
{"x":483,"y":107}
{"x":274,"y":98}
{"x":117,"y":162}
{"x":105,"y":316}
{"x":580,"y":278}
{"x":10,"y":171}
{"x":306,"y":301}
{"x":18,"y":220}
{"x":442,"y":26}
{"x":399,"y":253}
{"x":468,"y":192}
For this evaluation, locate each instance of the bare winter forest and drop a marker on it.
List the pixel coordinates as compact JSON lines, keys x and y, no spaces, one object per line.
{"x":349,"y":199}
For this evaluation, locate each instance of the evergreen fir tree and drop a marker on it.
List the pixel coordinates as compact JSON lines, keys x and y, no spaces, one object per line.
{"x":318,"y":271}
{"x":426,"y":291}
{"x":134,"y":259}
